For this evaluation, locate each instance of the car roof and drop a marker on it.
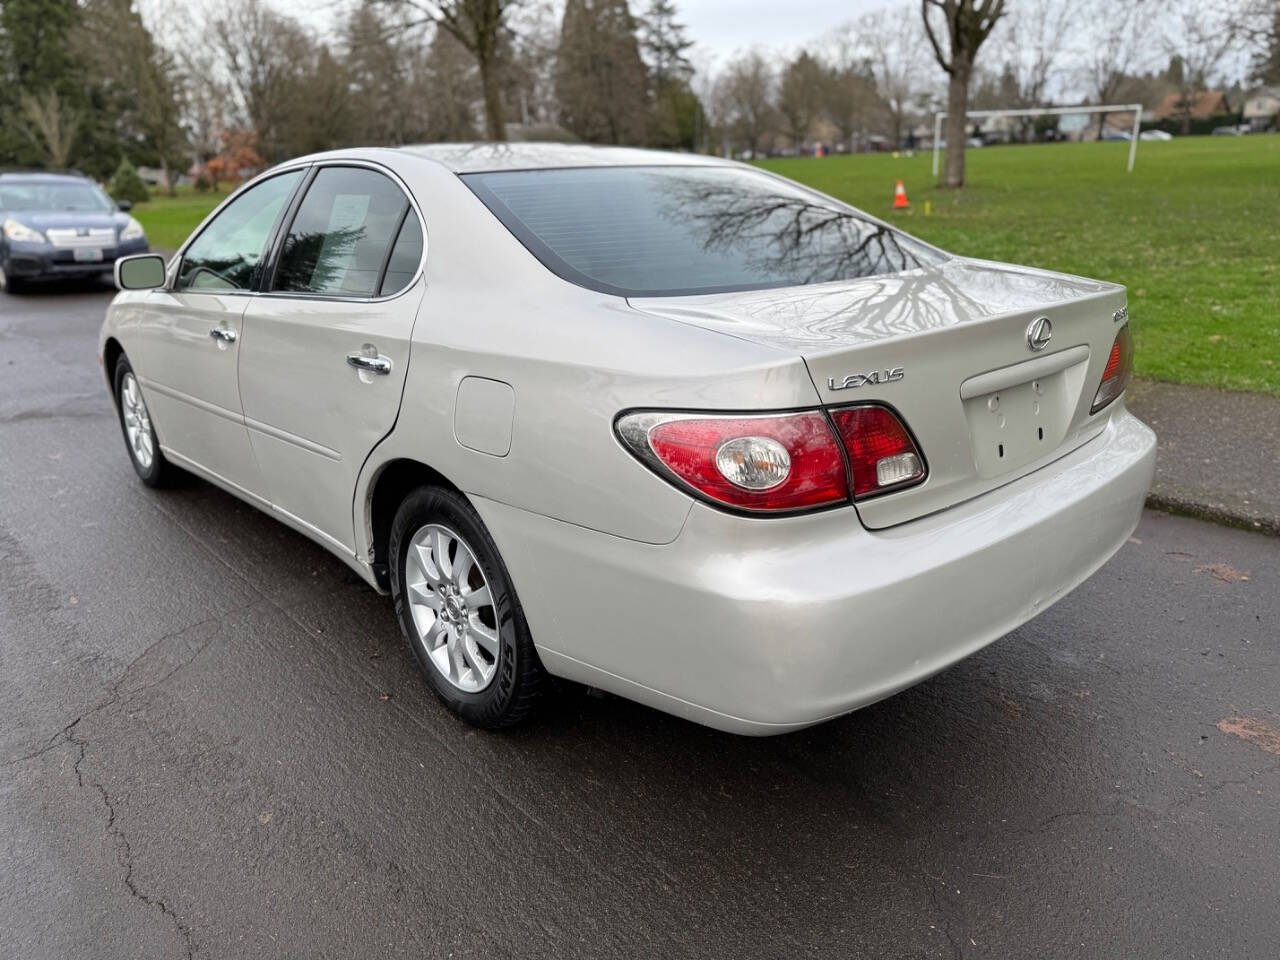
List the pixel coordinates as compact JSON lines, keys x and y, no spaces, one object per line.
{"x":486,"y":157}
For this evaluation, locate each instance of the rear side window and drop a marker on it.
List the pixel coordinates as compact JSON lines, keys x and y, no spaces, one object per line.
{"x":405,"y":257}
{"x":673,"y":231}
{"x":341,"y":237}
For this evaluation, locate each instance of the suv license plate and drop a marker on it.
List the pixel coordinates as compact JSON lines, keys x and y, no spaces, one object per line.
{"x":88,"y":256}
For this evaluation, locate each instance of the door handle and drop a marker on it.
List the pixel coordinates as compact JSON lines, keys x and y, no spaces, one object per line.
{"x":225,"y":334}
{"x":379,"y":364}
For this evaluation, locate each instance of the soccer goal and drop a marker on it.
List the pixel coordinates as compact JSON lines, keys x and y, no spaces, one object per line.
{"x":1134,"y":108}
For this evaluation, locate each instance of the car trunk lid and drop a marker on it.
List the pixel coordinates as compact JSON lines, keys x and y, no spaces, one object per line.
{"x":948,"y":349}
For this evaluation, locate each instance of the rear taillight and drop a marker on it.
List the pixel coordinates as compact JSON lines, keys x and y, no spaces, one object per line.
{"x":777,"y":463}
{"x":1115,"y":375}
{"x":881,"y":453}
{"x":771,"y":464}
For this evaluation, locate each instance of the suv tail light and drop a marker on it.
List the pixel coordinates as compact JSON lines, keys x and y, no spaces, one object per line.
{"x":777,"y":463}
{"x":1115,"y":376}
{"x":881,"y":453}
{"x":771,"y":463}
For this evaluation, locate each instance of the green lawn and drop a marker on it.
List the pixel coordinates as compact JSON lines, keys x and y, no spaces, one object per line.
{"x":1194,"y":232}
{"x":170,"y":220}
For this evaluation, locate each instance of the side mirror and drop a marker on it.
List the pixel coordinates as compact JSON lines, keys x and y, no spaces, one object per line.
{"x":125,"y":205}
{"x":145,"y":271}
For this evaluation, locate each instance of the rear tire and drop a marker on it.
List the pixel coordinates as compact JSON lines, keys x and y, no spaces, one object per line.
{"x":139,"y":434}
{"x":459,"y":612}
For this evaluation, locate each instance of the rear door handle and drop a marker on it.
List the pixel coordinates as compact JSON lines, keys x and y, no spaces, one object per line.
{"x":378,"y":364}
{"x":225,"y":334}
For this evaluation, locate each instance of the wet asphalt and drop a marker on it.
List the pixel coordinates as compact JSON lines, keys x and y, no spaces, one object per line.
{"x":214,"y":744}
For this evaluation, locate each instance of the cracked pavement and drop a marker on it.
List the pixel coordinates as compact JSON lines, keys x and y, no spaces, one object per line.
{"x":197,"y":759}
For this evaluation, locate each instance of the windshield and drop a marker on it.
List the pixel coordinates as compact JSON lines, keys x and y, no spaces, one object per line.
{"x":673,"y":231}
{"x":76,"y":197}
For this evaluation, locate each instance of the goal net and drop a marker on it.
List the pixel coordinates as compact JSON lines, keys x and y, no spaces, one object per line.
{"x":1133,"y":108}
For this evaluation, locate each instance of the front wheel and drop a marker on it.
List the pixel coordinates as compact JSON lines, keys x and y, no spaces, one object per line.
{"x":139,"y":434}
{"x":9,"y":283}
{"x":459,"y":611}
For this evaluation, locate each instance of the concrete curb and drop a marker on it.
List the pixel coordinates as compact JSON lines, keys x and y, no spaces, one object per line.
{"x":1218,"y":457}
{"x":1219,"y":515}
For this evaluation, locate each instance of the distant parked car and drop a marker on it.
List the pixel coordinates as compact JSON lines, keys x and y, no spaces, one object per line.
{"x":1117,"y":135}
{"x":1230,"y":131}
{"x":1155,"y":135}
{"x":58,"y":226}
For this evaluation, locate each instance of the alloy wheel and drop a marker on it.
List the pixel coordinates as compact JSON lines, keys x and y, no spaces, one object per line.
{"x":137,"y":422}
{"x":451,"y":607}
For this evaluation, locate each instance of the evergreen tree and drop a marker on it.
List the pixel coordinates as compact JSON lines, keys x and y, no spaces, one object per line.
{"x":127,"y":185}
{"x":36,"y":60}
{"x":136,"y":86}
{"x":678,"y":118}
{"x":665,"y":44}
{"x":601,"y":82}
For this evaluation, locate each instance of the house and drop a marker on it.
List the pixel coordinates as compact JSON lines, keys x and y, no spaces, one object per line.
{"x":1261,"y":108}
{"x":1203,"y":105}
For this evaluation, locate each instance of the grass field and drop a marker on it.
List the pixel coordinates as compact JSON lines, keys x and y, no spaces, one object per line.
{"x":1194,"y":232}
{"x":170,"y":220}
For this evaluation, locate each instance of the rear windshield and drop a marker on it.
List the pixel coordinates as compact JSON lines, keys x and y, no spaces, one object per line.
{"x":675,"y":231}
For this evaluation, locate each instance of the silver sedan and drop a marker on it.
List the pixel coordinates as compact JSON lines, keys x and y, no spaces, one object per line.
{"x":666,"y":425}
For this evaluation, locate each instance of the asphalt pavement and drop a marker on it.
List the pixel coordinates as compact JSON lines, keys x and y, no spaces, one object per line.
{"x":214,"y":744}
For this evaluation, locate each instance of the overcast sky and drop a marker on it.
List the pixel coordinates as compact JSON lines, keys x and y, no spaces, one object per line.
{"x":720,"y":27}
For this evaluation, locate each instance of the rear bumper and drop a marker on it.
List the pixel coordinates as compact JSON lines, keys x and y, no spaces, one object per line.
{"x":764,"y":626}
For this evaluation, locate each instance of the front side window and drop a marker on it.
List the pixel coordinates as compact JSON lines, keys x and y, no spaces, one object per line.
{"x":674,"y":231}
{"x":340,"y":240}
{"x":229,"y":249}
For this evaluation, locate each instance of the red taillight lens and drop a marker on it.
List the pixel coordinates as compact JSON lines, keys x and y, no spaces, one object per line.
{"x":1115,"y":375}
{"x":770,"y":464}
{"x":881,"y":453}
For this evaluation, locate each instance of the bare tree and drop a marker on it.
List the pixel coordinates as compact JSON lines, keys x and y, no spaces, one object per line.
{"x":967,"y":25}
{"x":479,"y":25}
{"x":747,"y":98}
{"x":1031,"y":41}
{"x":800,"y":96}
{"x":849,"y":98}
{"x":894,"y":49}
{"x":530,"y":76}
{"x":264,"y":55}
{"x":1200,"y":33}
{"x":385,"y":64}
{"x":53,"y":127}
{"x":1260,"y":21}
{"x":1113,"y":32}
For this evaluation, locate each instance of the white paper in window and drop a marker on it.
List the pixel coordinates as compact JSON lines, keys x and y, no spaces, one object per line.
{"x":346,"y":218}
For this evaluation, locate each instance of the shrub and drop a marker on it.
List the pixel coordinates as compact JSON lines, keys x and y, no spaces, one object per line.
{"x":202,"y":184}
{"x":127,"y":185}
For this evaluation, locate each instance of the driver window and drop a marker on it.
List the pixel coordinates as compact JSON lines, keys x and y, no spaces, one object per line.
{"x":229,"y":249}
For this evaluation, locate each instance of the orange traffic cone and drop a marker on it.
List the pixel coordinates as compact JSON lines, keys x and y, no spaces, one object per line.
{"x":900,"y":197}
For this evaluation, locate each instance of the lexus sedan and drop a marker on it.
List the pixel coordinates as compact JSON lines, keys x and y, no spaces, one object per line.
{"x":668,"y":426}
{"x":58,"y":226}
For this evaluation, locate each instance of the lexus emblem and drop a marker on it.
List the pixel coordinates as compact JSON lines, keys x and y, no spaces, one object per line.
{"x":1039,"y":333}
